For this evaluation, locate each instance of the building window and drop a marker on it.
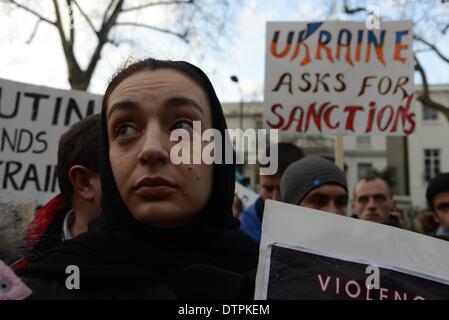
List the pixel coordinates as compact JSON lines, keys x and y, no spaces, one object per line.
{"x":364,"y":170}
{"x":363,"y":141}
{"x":430,"y":114}
{"x":431,"y":163}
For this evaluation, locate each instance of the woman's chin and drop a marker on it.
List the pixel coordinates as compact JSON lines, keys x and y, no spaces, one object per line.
{"x":162,"y":215}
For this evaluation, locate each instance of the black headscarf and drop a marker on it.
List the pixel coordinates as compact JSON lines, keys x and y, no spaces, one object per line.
{"x":142,"y":255}
{"x":216,"y":214}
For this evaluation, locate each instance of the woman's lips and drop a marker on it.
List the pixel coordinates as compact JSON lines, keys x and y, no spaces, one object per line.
{"x":155,"y":187}
{"x":155,"y":191}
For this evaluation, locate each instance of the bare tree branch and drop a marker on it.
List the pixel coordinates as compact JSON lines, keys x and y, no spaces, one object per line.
{"x":182,"y":36}
{"x":32,"y":12}
{"x":445,"y":29}
{"x":159,"y":3}
{"x":79,"y":78}
{"x":86,"y":17}
{"x":113,"y":42}
{"x":419,"y":68}
{"x":431,"y":46}
{"x":424,"y":97}
{"x":72,"y":63}
{"x":71,"y":22}
{"x":106,"y":12}
{"x":353,"y":10}
{"x":103,"y":38}
{"x":33,"y":34}
{"x":58,"y":22}
{"x":423,"y":50}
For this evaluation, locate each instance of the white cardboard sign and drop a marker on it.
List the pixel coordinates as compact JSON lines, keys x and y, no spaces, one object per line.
{"x":349,"y":240}
{"x":339,"y":78}
{"x":32,"y":119}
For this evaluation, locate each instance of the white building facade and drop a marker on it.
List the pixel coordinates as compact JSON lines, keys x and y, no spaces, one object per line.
{"x":428,"y":147}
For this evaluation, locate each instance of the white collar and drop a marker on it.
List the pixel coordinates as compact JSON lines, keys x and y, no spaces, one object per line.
{"x":68,"y":220}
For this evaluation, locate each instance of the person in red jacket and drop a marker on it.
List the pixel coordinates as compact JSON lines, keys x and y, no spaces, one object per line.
{"x":68,"y":214}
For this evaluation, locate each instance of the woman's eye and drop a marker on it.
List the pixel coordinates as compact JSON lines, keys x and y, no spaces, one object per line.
{"x":125,"y":131}
{"x":184,"y":124}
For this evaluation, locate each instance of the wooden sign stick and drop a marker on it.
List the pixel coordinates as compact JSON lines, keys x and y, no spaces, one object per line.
{"x":339,"y":152}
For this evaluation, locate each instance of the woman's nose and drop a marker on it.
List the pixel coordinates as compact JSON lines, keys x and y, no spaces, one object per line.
{"x":154,"y":149}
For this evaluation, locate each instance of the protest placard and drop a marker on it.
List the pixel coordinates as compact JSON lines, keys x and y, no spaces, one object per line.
{"x":246,"y":195}
{"x":309,"y":254}
{"x":339,"y":78}
{"x":32,"y":119}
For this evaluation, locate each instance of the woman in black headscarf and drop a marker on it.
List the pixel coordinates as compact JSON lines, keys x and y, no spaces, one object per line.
{"x":167,"y":231}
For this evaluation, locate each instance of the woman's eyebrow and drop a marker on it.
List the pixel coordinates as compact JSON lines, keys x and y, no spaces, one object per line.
{"x":124,"y":106}
{"x":182,"y":102}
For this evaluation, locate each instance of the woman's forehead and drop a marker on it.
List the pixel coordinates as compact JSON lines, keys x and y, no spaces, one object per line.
{"x":157,"y":84}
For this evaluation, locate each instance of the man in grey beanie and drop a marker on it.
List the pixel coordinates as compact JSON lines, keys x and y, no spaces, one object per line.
{"x":316,"y":183}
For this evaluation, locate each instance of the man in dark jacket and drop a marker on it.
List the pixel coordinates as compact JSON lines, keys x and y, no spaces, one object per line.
{"x":67,"y":214}
{"x":251,"y":218}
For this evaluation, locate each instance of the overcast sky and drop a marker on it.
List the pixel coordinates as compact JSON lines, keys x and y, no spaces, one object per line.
{"x":243,"y":54}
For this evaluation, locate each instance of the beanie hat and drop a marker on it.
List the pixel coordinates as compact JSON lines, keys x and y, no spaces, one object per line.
{"x":438,"y":184}
{"x":307,"y":174}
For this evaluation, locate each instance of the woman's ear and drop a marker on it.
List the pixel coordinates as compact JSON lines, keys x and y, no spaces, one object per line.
{"x":80,"y":178}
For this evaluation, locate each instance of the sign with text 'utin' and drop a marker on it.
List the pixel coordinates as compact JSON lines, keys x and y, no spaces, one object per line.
{"x":32,"y":119}
{"x":339,"y":77}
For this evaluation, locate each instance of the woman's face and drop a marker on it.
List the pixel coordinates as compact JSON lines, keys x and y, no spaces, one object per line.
{"x":142,"y":111}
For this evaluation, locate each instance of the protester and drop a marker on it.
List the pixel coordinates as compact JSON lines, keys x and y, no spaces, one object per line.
{"x":425,"y":223}
{"x":437,"y":195}
{"x":373,"y":201}
{"x":251,"y":218}
{"x":167,"y":231}
{"x":68,"y":214}
{"x":317,"y":183}
{"x":12,"y":231}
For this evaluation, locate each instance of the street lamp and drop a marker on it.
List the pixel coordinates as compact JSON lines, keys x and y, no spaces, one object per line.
{"x":236,"y":80}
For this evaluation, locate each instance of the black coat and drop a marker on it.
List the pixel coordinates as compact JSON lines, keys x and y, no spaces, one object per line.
{"x":225,"y":269}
